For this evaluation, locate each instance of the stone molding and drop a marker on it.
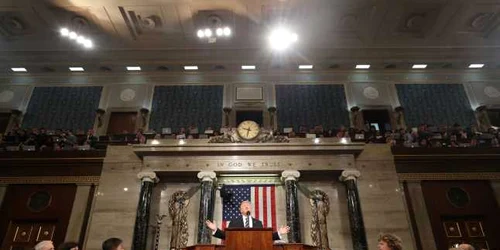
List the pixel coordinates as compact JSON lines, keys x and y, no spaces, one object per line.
{"x":89,"y":180}
{"x":148,"y":176}
{"x":207,"y":176}
{"x":290,"y":175}
{"x":349,"y":175}
{"x":449,"y":176}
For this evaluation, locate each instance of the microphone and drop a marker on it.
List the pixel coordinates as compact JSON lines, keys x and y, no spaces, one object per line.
{"x":248,"y":213}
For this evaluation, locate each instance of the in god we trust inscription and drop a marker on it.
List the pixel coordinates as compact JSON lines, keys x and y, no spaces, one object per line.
{"x":249,"y":164}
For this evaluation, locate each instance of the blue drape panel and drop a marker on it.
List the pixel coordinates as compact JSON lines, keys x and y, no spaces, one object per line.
{"x":311,"y":105}
{"x":436,"y":104}
{"x":182,"y":106}
{"x":62,"y":108}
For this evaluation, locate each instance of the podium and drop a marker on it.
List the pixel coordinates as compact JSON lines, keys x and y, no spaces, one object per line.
{"x":249,"y":238}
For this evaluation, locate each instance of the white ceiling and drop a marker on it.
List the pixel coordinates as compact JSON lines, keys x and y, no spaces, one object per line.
{"x":331,"y":32}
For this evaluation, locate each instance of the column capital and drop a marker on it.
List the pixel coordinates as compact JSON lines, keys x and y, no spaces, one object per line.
{"x":350,"y":174}
{"x":290,"y":175}
{"x":148,"y":176}
{"x":207,"y":176}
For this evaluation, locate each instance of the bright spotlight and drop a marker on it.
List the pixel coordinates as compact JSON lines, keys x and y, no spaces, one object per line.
{"x":72,"y":35}
{"x":219,"y":32}
{"x":200,"y":34}
{"x":80,"y":39}
{"x":281,"y":39}
{"x":88,"y":44}
{"x":64,"y":32}
{"x":208,"y":33}
{"x":227,"y":31}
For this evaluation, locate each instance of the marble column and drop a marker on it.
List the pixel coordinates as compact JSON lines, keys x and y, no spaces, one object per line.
{"x":358,"y":233}
{"x":141,"y":227}
{"x":207,"y":198}
{"x":292,"y":205}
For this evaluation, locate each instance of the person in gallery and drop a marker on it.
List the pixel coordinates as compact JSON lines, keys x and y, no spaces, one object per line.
{"x":388,"y":241}
{"x":113,"y":244}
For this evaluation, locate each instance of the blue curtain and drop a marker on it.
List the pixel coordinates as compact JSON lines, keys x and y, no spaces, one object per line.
{"x":311,"y":105}
{"x":183,"y":106}
{"x":62,"y":108}
{"x":436,"y":104}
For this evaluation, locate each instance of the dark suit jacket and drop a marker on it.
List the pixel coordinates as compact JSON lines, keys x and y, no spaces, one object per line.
{"x":238,"y":223}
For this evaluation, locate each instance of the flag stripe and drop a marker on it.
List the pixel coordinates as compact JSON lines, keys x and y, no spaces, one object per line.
{"x":269,"y":208}
{"x":261,"y":207}
{"x":264,"y":205}
{"x":256,"y":202}
{"x":273,"y":207}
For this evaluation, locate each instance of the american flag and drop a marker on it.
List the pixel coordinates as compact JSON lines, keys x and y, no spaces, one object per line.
{"x":262,"y":197}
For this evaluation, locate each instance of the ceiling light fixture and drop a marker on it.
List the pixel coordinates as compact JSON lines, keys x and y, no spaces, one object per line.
{"x":208,"y":32}
{"x":190,"y":67}
{"x":363,"y":66}
{"x":306,"y":66}
{"x":219,"y":32}
{"x":64,"y":32}
{"x":476,"y":66}
{"x":248,"y":67}
{"x":227,"y":31}
{"x":19,"y":69}
{"x":76,"y":69}
{"x":85,"y":42}
{"x":133,"y":68}
{"x":281,"y":38}
{"x":419,"y":66}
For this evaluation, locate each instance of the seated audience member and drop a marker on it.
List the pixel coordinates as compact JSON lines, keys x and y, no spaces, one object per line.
{"x":328,"y":133}
{"x":68,"y":246}
{"x":139,"y":137}
{"x":494,"y":142}
{"x":342,"y":132}
{"x":45,"y":245}
{"x":389,"y":242}
{"x":113,"y":244}
{"x":91,"y":138}
{"x":71,"y":138}
{"x":423,"y":143}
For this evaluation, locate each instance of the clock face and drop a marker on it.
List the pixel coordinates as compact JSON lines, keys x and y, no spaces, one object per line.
{"x":248,"y":130}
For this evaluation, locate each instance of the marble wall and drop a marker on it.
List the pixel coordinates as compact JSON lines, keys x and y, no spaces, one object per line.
{"x":117,"y":196}
{"x":382,"y":201}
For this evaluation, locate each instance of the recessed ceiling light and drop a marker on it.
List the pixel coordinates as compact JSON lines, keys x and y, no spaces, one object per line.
{"x":476,"y":65}
{"x":190,"y":67}
{"x":133,"y":68}
{"x":64,"y":32}
{"x":306,"y":66}
{"x":76,"y":69}
{"x":19,"y":69}
{"x":419,"y":66}
{"x":363,"y":66}
{"x":251,"y":67}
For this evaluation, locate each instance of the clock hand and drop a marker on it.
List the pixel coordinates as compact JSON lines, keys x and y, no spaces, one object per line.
{"x":248,"y":131}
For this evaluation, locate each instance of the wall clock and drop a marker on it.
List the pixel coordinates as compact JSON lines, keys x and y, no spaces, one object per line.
{"x":248,"y":130}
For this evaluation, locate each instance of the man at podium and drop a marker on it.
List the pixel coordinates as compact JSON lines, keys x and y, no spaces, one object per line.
{"x":245,"y":221}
